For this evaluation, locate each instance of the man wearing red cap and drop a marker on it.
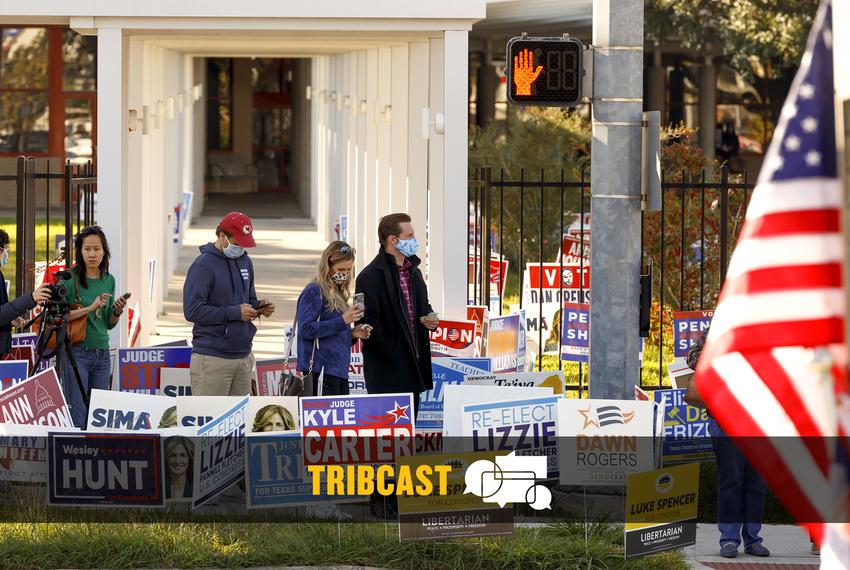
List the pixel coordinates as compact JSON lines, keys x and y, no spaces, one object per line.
{"x":219,"y":298}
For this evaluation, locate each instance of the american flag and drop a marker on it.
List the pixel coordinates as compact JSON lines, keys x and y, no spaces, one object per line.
{"x":772,"y":362}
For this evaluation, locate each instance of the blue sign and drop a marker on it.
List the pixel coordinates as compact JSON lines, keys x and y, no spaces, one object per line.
{"x":12,"y":372}
{"x":138,"y":368}
{"x":357,"y":429}
{"x":219,"y":453}
{"x":275,"y":473}
{"x":575,"y":332}
{"x":688,"y":327}
{"x":117,"y":469}
{"x":445,"y":371}
{"x":686,"y":437}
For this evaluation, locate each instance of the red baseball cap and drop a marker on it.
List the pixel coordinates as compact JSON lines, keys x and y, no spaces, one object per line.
{"x":240,"y":227}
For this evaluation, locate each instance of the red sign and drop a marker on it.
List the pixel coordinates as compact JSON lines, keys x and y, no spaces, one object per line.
{"x":271,"y":372}
{"x":498,"y":271}
{"x":553,"y":278}
{"x":453,"y":338}
{"x":37,"y":401}
{"x":573,"y":251}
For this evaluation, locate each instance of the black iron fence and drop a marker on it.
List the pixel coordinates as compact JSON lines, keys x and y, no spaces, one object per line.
{"x":521,"y":230}
{"x":77,"y":185}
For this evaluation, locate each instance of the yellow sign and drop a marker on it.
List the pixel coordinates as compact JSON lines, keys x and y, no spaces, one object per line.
{"x":661,"y":509}
{"x":425,"y":479}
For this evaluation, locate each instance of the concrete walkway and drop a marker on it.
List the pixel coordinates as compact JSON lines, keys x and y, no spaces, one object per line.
{"x":287,"y":252}
{"x":788,"y":544}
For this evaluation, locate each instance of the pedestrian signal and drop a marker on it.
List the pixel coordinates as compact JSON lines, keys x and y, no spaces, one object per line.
{"x":544,"y":71}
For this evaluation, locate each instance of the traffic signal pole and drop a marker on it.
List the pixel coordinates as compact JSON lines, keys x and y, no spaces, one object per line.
{"x":616,"y":197}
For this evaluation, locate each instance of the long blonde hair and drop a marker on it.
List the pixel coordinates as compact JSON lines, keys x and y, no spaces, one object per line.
{"x":335,"y":296}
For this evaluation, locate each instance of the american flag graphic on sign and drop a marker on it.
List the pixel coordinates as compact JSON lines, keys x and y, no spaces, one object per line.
{"x":772,"y":363}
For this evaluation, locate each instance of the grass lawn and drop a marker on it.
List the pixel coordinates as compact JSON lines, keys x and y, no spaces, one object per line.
{"x":230,"y":545}
{"x":10,"y":225}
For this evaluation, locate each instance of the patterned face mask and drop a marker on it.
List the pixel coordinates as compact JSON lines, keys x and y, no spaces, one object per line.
{"x":340,"y":277}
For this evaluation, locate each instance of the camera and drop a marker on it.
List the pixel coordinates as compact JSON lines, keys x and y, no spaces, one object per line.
{"x":57,"y":304}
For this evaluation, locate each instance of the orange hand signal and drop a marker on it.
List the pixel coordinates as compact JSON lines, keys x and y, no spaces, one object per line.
{"x":524,"y":72}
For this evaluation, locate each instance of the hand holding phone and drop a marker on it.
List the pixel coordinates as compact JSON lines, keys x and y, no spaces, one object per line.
{"x":360,"y":301}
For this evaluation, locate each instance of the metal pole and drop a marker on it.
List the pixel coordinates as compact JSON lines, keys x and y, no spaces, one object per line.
{"x":615,"y":171}
{"x":20,"y":184}
{"x":69,"y":228}
{"x":724,"y":222}
{"x":26,"y":248}
{"x":486,"y":245}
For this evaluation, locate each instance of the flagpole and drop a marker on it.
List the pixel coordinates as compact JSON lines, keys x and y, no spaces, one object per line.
{"x":841,"y":67}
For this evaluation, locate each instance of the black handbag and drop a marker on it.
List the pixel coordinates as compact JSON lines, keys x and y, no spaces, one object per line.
{"x":294,"y":383}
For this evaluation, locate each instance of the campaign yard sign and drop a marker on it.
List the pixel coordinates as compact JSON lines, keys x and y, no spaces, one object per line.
{"x":503,"y":343}
{"x":453,"y":338}
{"x":37,"y":400}
{"x":356,"y":379}
{"x":688,"y":326}
{"x":573,"y":251}
{"x":553,"y":379}
{"x":127,"y":411}
{"x":174,"y":382}
{"x":196,"y":411}
{"x":456,"y":514}
{"x":13,"y":372}
{"x":428,"y":441}
{"x":23,"y":347}
{"x":445,"y":371}
{"x":275,"y":475}
{"x":545,"y":289}
{"x":369,"y":429}
{"x":527,"y":426}
{"x":105,"y":469}
{"x":686,"y":436}
{"x":271,"y":414}
{"x":271,"y":372}
{"x":138,"y":368}
{"x":575,"y":337}
{"x":479,"y":314}
{"x":23,"y":452}
{"x":661,"y":510}
{"x":459,"y":395}
{"x":601,"y":442}
{"x":220,"y":453}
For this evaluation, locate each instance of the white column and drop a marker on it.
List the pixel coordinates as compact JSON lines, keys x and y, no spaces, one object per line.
{"x":359,"y":219}
{"x":315,"y":134}
{"x":112,"y":155}
{"x":417,"y":146}
{"x":135,"y":172}
{"x":383,"y":99}
{"x":434,"y":222}
{"x":370,"y":221}
{"x":455,"y":148}
{"x":399,"y":128}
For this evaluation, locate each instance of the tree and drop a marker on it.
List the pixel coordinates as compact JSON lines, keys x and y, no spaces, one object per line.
{"x":745,"y":31}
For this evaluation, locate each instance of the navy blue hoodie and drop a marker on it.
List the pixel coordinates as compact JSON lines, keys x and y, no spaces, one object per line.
{"x":215,"y":288}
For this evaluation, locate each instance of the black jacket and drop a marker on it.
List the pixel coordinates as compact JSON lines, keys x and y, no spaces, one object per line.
{"x":9,"y":312}
{"x":390,"y":362}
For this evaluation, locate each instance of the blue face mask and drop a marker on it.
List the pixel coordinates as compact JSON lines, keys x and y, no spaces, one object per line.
{"x":5,"y":260}
{"x":407,"y":247}
{"x":233,"y":251}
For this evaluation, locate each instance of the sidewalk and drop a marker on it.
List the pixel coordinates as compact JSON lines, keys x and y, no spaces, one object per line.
{"x":285,"y":258}
{"x":788,"y":544}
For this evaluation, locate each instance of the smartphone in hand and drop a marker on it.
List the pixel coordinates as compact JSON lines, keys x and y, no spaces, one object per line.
{"x":360,"y":300}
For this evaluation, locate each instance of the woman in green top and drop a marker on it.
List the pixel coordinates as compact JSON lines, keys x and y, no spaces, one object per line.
{"x":99,"y":306}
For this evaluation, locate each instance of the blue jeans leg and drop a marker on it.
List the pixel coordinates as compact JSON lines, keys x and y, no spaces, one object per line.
{"x":94,"y":367}
{"x":740,"y":492}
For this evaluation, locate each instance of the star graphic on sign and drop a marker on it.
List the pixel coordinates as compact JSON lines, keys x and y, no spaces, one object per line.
{"x":807,"y":91}
{"x":588,"y":421}
{"x":810,"y":124}
{"x":399,"y":412}
{"x":813,"y":158}
{"x":792,"y":143}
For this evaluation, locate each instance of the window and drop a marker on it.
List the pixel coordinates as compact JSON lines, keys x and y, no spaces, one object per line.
{"x":24,"y":118}
{"x":79,"y":55}
{"x":219,"y":104}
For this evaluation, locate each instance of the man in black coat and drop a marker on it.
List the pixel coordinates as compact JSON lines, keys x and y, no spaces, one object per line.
{"x":12,"y":312}
{"x":397,"y":356}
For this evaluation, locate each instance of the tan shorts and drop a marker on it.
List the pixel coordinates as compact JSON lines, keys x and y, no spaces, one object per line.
{"x":214,"y":376}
